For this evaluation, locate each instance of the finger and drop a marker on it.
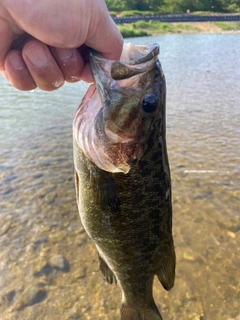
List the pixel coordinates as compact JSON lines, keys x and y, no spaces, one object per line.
{"x":6,"y":38}
{"x":42,"y":66}
{"x":70,"y":62}
{"x":87,"y":74}
{"x":16,"y":71}
{"x":110,"y":45}
{"x":4,"y":74}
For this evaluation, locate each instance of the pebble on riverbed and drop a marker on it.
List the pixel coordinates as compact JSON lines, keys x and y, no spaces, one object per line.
{"x":30,"y":296}
{"x":5,"y":227}
{"x":59,"y":262}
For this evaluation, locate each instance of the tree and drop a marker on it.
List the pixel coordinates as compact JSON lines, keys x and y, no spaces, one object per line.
{"x":174,"y":6}
{"x":179,"y":6}
{"x":142,"y":5}
{"x":231,"y":5}
{"x":116,"y":5}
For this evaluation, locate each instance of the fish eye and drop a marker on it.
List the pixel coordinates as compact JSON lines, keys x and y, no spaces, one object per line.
{"x":149,"y":102}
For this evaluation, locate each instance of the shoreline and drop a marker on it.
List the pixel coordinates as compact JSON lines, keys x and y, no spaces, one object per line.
{"x":142,"y":28}
{"x":206,"y":27}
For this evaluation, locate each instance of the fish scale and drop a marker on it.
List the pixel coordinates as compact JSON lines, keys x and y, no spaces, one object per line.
{"x":128,"y":214}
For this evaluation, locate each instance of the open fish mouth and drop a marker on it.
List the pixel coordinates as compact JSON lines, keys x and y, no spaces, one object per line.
{"x":135,"y":59}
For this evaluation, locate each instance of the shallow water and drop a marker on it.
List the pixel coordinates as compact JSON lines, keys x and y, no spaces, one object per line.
{"x":48,"y":266}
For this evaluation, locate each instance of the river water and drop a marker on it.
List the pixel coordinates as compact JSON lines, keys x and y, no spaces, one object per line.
{"x":48,"y":266}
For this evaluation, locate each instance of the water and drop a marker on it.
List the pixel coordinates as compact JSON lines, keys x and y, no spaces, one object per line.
{"x":38,"y":215}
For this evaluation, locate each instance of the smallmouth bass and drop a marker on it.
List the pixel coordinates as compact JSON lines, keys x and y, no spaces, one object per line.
{"x":122,"y":176}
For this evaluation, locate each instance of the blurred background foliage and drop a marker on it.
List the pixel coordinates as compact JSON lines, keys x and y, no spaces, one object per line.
{"x":138,"y":7}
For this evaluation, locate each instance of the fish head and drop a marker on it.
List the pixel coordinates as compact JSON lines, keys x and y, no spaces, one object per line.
{"x":132,"y":93}
{"x":120,"y":111}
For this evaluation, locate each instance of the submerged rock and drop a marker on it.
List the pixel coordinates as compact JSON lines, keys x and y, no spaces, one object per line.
{"x":59,"y":262}
{"x":30,"y":296}
{"x":8,"y":298}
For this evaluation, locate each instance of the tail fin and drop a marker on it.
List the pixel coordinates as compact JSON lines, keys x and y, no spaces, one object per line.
{"x":129,"y":313}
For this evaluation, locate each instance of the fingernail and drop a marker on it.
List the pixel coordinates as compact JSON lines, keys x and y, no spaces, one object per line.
{"x":16,"y":61}
{"x":38,"y":56}
{"x":58,"y":83}
{"x":64,"y":54}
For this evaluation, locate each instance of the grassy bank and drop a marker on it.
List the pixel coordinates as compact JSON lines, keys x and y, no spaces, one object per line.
{"x":150,"y":28}
{"x":228,"y":26}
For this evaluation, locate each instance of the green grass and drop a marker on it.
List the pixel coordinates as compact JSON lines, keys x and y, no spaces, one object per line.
{"x":144,"y":28}
{"x":186,"y":27}
{"x":205,"y":13}
{"x":136,"y":13}
{"x":130,"y":32}
{"x":112,"y":13}
{"x":155,"y":27}
{"x":228,"y":26}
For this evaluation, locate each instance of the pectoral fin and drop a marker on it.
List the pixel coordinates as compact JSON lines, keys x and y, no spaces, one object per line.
{"x":104,"y":189}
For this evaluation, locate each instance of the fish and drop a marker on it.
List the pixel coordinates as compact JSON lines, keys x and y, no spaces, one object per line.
{"x":122,"y":175}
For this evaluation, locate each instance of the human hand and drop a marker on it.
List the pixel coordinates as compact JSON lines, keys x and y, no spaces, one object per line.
{"x":42,"y":43}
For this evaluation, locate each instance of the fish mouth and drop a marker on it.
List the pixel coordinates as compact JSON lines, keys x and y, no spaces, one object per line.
{"x":135,"y":60}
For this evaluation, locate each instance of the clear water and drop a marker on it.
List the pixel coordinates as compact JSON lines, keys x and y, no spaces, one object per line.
{"x":38,"y":214}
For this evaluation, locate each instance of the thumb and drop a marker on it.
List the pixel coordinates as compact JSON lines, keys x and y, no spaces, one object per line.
{"x":104,"y":36}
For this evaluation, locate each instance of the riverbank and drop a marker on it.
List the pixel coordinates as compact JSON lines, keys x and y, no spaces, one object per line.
{"x":151,"y":28}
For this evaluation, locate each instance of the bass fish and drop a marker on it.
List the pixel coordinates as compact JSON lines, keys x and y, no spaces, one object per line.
{"x":122,"y":176}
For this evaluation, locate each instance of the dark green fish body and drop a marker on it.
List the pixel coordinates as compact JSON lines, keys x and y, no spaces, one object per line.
{"x":127,"y":210}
